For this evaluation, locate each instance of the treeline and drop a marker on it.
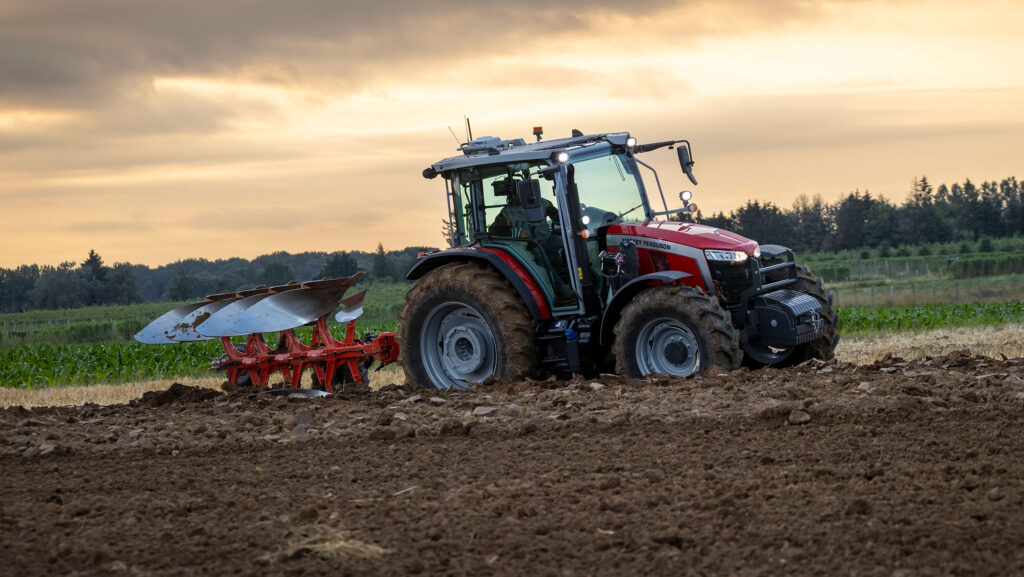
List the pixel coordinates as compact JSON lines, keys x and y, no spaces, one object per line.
{"x":958,"y":212}
{"x":73,"y":285}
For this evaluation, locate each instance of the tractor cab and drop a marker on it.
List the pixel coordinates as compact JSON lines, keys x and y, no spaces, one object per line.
{"x":515,"y":197}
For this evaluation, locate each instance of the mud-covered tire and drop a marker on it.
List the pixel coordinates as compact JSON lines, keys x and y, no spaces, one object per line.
{"x":824,"y":347}
{"x":659,"y":330}
{"x":463,"y":323}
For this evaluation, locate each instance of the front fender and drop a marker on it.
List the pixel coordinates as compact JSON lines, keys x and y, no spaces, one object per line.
{"x":627,"y":292}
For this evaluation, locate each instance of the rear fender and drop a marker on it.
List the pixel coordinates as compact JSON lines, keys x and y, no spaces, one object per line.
{"x":628,"y":292}
{"x":514,"y":272}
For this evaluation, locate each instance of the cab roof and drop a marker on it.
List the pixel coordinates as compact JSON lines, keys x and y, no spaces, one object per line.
{"x":491,"y":150}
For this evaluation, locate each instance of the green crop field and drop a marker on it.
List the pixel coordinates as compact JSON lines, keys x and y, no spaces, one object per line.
{"x":866,"y":320}
{"x":93,"y":345}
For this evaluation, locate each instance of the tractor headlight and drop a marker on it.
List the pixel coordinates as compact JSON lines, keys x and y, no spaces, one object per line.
{"x":630,"y":142}
{"x":560,"y":157}
{"x":757,"y":251}
{"x":731,"y":256}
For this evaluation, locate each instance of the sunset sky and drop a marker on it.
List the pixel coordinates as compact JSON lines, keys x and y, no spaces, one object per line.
{"x":155,"y":131}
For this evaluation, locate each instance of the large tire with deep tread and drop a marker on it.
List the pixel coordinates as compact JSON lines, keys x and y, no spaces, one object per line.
{"x":681,"y":307}
{"x":822,"y":348}
{"x":486,"y":292}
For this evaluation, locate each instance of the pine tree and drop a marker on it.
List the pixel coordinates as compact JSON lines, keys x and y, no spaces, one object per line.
{"x":381,"y":264}
{"x":93,"y":266}
{"x":446,"y":232}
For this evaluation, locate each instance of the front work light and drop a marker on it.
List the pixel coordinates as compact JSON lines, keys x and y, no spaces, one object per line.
{"x":731,"y":256}
{"x":630,"y":142}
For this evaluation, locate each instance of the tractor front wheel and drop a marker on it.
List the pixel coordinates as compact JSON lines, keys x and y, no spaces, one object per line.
{"x":824,"y":347}
{"x":463,"y":323}
{"x":676,"y":330}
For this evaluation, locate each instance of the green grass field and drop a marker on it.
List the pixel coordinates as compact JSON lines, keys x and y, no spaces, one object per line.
{"x":93,"y":345}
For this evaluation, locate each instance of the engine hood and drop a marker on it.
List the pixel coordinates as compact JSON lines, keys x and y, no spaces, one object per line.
{"x":697,"y":236}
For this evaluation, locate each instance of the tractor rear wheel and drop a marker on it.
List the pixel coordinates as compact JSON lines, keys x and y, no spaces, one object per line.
{"x":463,"y":323}
{"x":824,"y":347}
{"x":676,"y":330}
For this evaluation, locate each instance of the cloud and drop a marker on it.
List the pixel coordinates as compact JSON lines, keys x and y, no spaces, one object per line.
{"x":207,"y":121}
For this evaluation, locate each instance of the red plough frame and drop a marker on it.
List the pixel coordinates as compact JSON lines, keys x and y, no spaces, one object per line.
{"x":324,"y":354}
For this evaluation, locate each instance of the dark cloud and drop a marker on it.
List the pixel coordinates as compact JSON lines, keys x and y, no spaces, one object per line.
{"x":68,"y":52}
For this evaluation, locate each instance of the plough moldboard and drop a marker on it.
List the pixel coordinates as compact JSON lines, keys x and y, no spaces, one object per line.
{"x":279,"y":309}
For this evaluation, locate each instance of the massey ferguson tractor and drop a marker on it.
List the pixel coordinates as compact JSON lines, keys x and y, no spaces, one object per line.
{"x":560,"y":263}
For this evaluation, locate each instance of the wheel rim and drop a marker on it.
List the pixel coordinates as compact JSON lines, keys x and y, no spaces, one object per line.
{"x":666,"y":345}
{"x":458,"y":346}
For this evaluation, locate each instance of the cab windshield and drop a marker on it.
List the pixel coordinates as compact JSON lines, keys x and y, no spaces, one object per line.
{"x":610,"y":190}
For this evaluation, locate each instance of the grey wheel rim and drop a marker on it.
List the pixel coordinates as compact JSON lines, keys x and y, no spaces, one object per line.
{"x":667,"y":346}
{"x":457,"y":346}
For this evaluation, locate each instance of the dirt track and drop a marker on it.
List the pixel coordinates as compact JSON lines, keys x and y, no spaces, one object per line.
{"x":894,"y":469}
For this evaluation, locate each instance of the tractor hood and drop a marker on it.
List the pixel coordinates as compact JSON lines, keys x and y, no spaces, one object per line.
{"x":647,"y":234}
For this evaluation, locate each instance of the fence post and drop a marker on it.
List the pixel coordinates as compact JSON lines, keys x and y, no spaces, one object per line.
{"x":891,"y":289}
{"x":872,"y":296}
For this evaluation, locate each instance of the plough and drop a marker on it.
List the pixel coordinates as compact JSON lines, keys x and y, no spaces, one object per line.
{"x":280,"y":309}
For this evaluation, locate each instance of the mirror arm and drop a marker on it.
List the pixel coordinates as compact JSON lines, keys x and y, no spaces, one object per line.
{"x":656,"y":180}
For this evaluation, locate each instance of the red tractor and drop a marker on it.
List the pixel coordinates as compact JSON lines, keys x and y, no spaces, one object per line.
{"x":558,"y":266}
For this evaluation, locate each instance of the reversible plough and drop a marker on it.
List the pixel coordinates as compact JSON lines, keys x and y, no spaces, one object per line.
{"x":280,"y":309}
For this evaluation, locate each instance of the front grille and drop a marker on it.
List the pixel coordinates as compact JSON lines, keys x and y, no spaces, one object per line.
{"x":732,"y":279}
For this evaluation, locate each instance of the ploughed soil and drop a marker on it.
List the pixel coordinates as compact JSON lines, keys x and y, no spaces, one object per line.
{"x":825,"y":469}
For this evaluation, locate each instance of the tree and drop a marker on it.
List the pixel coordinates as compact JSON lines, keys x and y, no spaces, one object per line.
{"x":58,"y":288}
{"x":16,"y":288}
{"x":93,"y":266}
{"x":277,"y":273}
{"x":181,"y":288}
{"x":339,"y":265}
{"x":1013,"y":206}
{"x":93,"y":274}
{"x":446,"y":232}
{"x":918,"y":220}
{"x":764,"y":223}
{"x":119,"y":288}
{"x":861,"y":220}
{"x":812,"y":227}
{"x":381,"y":264}
{"x":716,"y":220}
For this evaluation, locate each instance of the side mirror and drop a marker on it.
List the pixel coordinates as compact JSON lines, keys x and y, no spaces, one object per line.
{"x":686,"y":162}
{"x":530,"y":199}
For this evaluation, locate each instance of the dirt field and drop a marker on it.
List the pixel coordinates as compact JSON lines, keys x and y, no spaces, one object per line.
{"x":888,"y":469}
